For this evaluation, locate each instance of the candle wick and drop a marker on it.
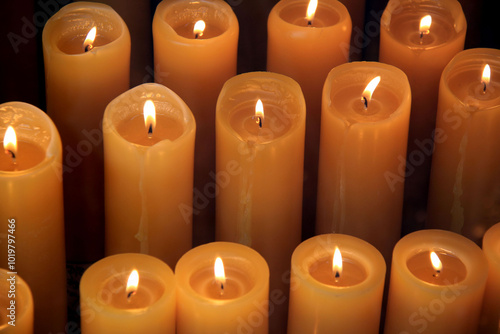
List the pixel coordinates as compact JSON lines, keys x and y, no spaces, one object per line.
{"x":436,"y":275}
{"x":259,"y":121}
{"x":88,"y":47}
{"x":221,"y":288}
{"x":337,"y":276}
{"x":12,"y":155}
{"x":150,"y":130}
{"x":130,"y":294}
{"x":309,"y":22}
{"x":196,"y":36}
{"x":365,"y":102}
{"x":484,"y":87}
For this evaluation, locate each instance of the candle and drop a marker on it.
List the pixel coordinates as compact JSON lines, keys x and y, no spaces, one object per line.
{"x":149,"y":173}
{"x":195,"y":65}
{"x":31,"y":210}
{"x":260,"y":169}
{"x":442,"y":298}
{"x":463,"y":194}
{"x":82,"y":77}
{"x":306,"y":49}
{"x":490,"y":317}
{"x":215,"y":300}
{"x":16,"y":304}
{"x":112,"y":302}
{"x":336,"y":286}
{"x":359,"y":192}
{"x":421,"y":50}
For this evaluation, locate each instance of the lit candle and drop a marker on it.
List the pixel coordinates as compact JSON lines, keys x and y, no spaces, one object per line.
{"x":443,"y":296}
{"x":222,"y":287}
{"x":31,"y":210}
{"x":363,"y":131}
{"x":490,"y":317}
{"x":306,"y":39}
{"x":86,"y":50}
{"x":149,"y":135}
{"x":128,"y":293}
{"x":16,"y":304}
{"x":259,"y":204}
{"x":195,"y":63}
{"x":463,"y":194}
{"x":420,"y":38}
{"x":336,"y":286}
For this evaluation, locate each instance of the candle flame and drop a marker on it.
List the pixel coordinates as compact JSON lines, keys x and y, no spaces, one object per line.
{"x":89,"y":40}
{"x":199,"y":28}
{"x":436,"y":262}
{"x":337,"y":263}
{"x":311,"y":11}
{"x":485,"y":80}
{"x":368,"y":92}
{"x":149,"y":112}
{"x":259,"y":112}
{"x":425,"y":25}
{"x":132,"y":283}
{"x":10,"y":142}
{"x":220,"y":275}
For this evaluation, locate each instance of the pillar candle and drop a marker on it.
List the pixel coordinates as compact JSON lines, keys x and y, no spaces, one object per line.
{"x":149,"y":178}
{"x":306,"y":53}
{"x":31,"y":211}
{"x":107,"y":306}
{"x":79,"y":85}
{"x":195,"y":66}
{"x":435,"y":299}
{"x":422,"y":54}
{"x":16,"y":304}
{"x":464,"y":194}
{"x":490,"y":317}
{"x":239,"y":305}
{"x":321,"y":302}
{"x":259,"y":170}
{"x":360,"y":186}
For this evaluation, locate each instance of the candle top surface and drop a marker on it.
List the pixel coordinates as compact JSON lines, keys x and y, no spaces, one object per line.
{"x":28,"y":156}
{"x":453,"y":269}
{"x":403,"y":22}
{"x":463,"y":77}
{"x":326,"y":15}
{"x":67,"y":30}
{"x":134,"y":130}
{"x":352,"y":273}
{"x":236,"y":283}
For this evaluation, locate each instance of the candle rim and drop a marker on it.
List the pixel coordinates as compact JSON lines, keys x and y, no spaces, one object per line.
{"x":491,"y":247}
{"x":231,"y":28}
{"x":23,"y":292}
{"x":372,"y":262}
{"x":22,"y":113}
{"x":147,"y":265}
{"x":252,"y":82}
{"x":50,"y":39}
{"x":190,"y":263}
{"x":452,"y":6}
{"x":470,"y":58}
{"x":464,"y":249}
{"x":344,"y":19}
{"x":370,"y":68}
{"x":139,"y":95}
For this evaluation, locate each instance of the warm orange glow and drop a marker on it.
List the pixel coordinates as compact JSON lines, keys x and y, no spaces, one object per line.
{"x":10,"y":141}
{"x":199,"y":28}
{"x":425,"y":25}
{"x":485,"y":79}
{"x":220,"y":275}
{"x":89,"y":40}
{"x":149,"y":116}
{"x":132,"y":283}
{"x":311,"y":10}
{"x":337,"y":263}
{"x":436,"y":262}
{"x":259,"y":112}
{"x":368,"y":92}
